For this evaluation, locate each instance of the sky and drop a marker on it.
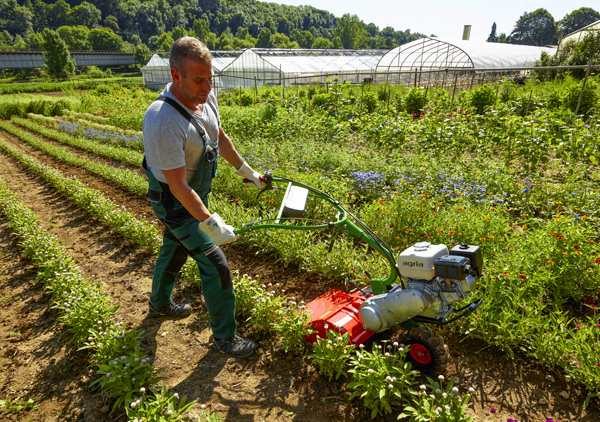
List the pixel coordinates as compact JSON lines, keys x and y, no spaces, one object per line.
{"x":445,"y":19}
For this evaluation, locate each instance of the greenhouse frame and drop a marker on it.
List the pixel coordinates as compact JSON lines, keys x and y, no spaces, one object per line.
{"x":436,"y":58}
{"x":256,"y":67}
{"x":579,"y":35}
{"x":423,"y":62}
{"x":157,"y":72}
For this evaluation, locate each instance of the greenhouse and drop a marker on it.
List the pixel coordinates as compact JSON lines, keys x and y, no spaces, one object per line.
{"x":579,"y":35}
{"x":437,"y":59}
{"x":157,"y":72}
{"x":256,"y":67}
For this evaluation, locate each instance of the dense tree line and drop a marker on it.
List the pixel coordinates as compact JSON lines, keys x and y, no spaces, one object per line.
{"x":152,"y":25}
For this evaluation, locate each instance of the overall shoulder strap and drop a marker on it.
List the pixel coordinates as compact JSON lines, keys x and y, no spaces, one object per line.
{"x":184,"y":113}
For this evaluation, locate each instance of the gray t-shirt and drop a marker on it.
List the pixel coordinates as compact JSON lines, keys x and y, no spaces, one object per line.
{"x":170,"y":141}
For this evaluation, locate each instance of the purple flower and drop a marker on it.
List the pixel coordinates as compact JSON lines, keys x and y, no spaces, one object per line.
{"x":492,"y":410}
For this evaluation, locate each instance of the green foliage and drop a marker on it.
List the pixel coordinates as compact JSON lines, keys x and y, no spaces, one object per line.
{"x":535,"y":28}
{"x":577,"y":19}
{"x":16,"y":405}
{"x":162,"y":406}
{"x":58,"y":62}
{"x":415,"y":101}
{"x":437,"y":402}
{"x":123,"y":378}
{"x":482,"y":97}
{"x":381,"y":378}
{"x":589,"y":98}
{"x":291,"y":327}
{"x":331,"y":354}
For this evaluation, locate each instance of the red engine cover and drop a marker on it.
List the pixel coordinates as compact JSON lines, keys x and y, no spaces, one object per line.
{"x":338,"y":311}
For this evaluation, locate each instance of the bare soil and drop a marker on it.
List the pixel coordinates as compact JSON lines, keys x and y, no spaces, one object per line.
{"x":38,"y":361}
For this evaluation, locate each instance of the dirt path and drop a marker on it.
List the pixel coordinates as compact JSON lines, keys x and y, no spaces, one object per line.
{"x":36,"y":362}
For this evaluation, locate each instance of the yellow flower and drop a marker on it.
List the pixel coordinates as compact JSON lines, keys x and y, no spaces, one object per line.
{"x":565,"y":253}
{"x":491,"y":237}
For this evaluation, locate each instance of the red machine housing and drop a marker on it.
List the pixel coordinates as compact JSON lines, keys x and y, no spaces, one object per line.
{"x":337,"y":310}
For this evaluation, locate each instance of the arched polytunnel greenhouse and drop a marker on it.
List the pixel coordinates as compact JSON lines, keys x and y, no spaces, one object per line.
{"x":256,"y":67}
{"x":439,"y":59}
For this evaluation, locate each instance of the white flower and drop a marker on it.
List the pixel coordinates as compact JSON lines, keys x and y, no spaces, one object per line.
{"x":439,"y":410}
{"x":455,"y":390}
{"x":423,"y":387}
{"x":471,"y":390}
{"x":441,"y":378}
{"x":142,"y":390}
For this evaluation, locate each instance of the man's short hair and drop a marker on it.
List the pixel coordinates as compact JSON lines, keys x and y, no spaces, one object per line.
{"x":188,"y":48}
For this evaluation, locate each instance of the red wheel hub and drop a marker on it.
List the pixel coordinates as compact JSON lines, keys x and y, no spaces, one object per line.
{"x":420,"y":353}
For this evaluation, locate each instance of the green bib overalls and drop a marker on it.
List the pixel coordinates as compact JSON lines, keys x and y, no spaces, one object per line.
{"x":181,"y":238}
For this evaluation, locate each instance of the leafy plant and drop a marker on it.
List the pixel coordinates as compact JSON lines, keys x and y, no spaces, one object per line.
{"x":331,"y":354}
{"x":436,"y":402}
{"x":482,"y":97}
{"x":123,"y":378}
{"x":415,"y":101}
{"x":381,"y":377}
{"x":162,"y":406}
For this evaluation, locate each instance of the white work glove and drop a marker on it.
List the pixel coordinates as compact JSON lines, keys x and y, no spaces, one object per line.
{"x":219,"y":232}
{"x":252,"y":175}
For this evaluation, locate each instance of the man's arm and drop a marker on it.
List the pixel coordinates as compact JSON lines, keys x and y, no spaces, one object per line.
{"x":228,"y":151}
{"x":185,"y":194}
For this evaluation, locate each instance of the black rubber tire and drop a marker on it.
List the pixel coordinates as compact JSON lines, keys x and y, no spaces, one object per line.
{"x":428,"y":353}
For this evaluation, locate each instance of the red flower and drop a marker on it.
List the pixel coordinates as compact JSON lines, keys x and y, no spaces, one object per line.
{"x":576,"y":247}
{"x":522,"y":276}
{"x":597,"y":260}
{"x":589,"y":301}
{"x":552,"y":234}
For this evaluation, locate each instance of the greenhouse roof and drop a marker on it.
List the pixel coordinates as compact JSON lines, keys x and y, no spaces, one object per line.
{"x":300,"y":61}
{"x":578,"y":35}
{"x":221,"y":59}
{"x":431,"y":53}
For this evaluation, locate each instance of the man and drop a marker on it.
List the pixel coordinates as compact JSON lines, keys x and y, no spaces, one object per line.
{"x":182,"y":140}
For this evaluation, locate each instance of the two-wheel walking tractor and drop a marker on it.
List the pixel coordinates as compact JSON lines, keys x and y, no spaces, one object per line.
{"x":425,"y":280}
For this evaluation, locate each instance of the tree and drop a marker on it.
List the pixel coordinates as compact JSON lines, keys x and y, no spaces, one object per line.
{"x":536,"y":28}
{"x":111,"y":22}
{"x":265,"y":39}
{"x":282,"y":41}
{"x":351,"y":31}
{"x":321,"y":42}
{"x":142,"y":54}
{"x":162,"y":42}
{"x":76,"y":37}
{"x":58,"y":13}
{"x":201,"y":27}
{"x":305,"y":39}
{"x":17,"y":20}
{"x":58,"y":63}
{"x":577,"y":19}
{"x":104,"y":39}
{"x":35,"y":40}
{"x":85,"y":14}
{"x":493,"y":37}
